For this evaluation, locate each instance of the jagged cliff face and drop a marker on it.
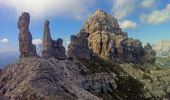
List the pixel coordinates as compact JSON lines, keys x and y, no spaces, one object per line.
{"x":108,"y":41}
{"x":78,"y":47}
{"x":25,"y":38}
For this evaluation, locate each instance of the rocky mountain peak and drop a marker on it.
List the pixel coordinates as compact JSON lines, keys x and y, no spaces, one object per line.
{"x":162,"y":48}
{"x":101,"y":21}
{"x":53,"y":77}
{"x":106,"y":40}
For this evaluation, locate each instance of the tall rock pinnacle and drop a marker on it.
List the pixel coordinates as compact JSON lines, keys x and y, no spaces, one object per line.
{"x":47,"y":40}
{"x":25,"y":38}
{"x":52,"y":48}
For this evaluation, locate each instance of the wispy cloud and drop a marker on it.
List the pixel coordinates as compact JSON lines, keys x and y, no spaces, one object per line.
{"x":4,"y":40}
{"x":128,"y":24}
{"x":121,"y":8}
{"x":68,"y":42}
{"x":157,"y":16}
{"x":39,"y":8}
{"x":148,"y":3}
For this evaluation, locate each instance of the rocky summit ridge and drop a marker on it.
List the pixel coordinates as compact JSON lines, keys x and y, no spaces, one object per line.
{"x":52,"y":79}
{"x":102,"y":63}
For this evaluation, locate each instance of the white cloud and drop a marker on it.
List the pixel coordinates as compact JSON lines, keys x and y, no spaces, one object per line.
{"x":121,"y":8}
{"x":40,"y":8}
{"x":37,"y":42}
{"x":68,"y":42}
{"x":148,"y":3}
{"x":157,"y":16}
{"x":128,"y":24}
{"x":4,"y":40}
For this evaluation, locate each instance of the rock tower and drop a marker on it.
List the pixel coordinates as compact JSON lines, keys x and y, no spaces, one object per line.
{"x":26,"y":47}
{"x":52,"y":48}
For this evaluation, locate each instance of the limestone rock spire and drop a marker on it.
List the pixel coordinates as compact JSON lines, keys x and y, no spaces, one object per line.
{"x":47,"y":40}
{"x":25,"y":38}
{"x":52,"y":48}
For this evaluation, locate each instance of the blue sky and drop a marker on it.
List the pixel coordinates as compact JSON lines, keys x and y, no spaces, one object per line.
{"x":147,"y":20}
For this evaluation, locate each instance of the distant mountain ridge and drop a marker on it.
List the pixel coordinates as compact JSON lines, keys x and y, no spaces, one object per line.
{"x":8,"y":57}
{"x":162,"y":48}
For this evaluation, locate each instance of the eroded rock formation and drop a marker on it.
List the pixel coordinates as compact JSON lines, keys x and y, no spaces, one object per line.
{"x":47,"y":41}
{"x":108,"y":41}
{"x":26,"y":47}
{"x":52,"y":48}
{"x":78,"y":47}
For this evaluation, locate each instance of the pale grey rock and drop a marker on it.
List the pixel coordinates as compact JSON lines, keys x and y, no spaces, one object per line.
{"x":106,"y":40}
{"x":162,"y":48}
{"x":52,"y":79}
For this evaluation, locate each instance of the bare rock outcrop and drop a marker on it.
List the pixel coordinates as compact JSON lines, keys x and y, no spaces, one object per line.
{"x":52,"y":48}
{"x":26,"y":47}
{"x":150,"y":54}
{"x":78,"y":47}
{"x":108,"y":41}
{"x":53,"y":79}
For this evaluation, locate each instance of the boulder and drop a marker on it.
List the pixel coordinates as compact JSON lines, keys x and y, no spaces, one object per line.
{"x":26,"y":47}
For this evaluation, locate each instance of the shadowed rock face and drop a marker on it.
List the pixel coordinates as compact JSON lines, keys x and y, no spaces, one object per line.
{"x":25,"y":38}
{"x":52,"y":48}
{"x":59,"y":46}
{"x":150,"y":54}
{"x":108,"y":41}
{"x":78,"y":47}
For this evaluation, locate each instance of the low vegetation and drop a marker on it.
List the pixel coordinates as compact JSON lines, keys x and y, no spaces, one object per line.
{"x":128,"y":87}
